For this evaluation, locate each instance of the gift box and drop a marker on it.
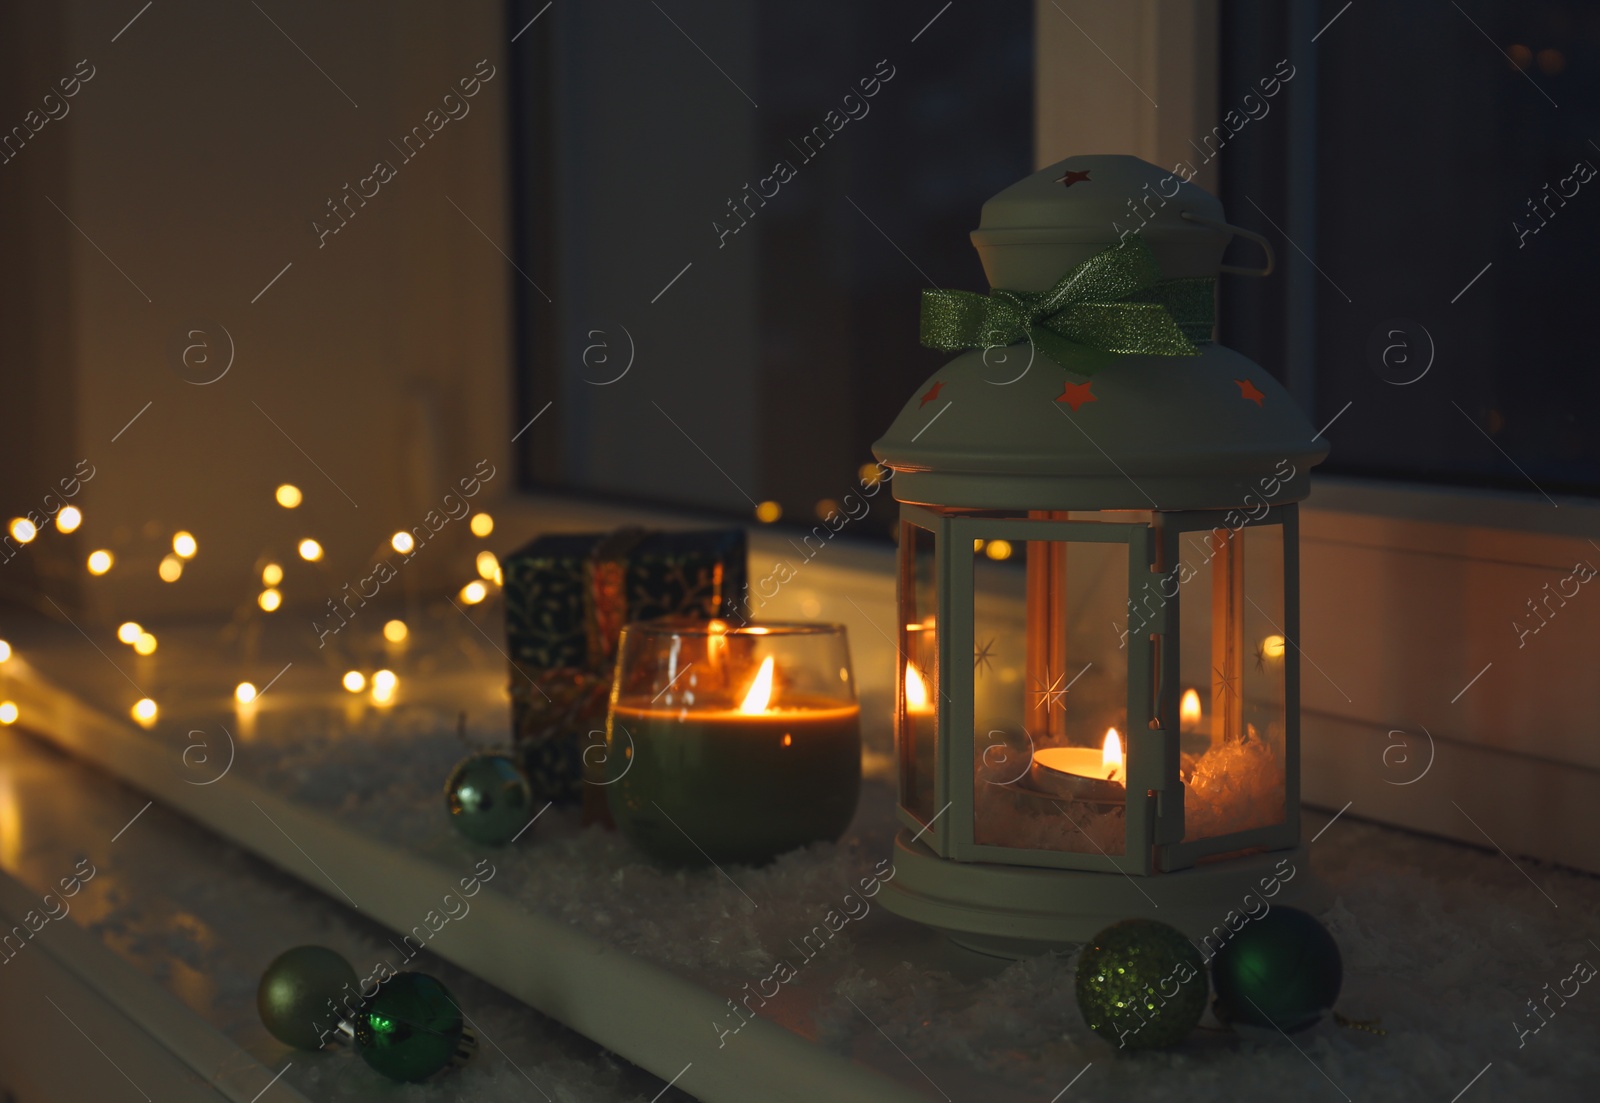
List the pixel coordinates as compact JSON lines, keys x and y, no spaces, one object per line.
{"x":567,"y":597}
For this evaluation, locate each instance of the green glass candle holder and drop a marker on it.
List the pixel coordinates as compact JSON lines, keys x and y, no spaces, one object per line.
{"x":732,"y":744}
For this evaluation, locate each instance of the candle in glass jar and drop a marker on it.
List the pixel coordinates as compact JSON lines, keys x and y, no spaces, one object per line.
{"x":739,"y":784}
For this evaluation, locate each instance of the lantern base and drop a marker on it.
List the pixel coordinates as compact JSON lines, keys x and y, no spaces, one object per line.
{"x":1021,"y":911}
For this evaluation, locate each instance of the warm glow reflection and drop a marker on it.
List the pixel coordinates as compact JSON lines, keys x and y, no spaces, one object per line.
{"x":171,"y":568}
{"x":244,"y":692}
{"x":144,"y":644}
{"x":395,"y":631}
{"x":488,"y":565}
{"x":384,"y":684}
{"x":5,"y":651}
{"x":271,"y":574}
{"x":8,"y":712}
{"x":185,"y":545}
{"x":916,"y":689}
{"x":474,"y":592}
{"x":270,"y":599}
{"x":402,"y":542}
{"x":99,"y":562}
{"x":1272,"y":647}
{"x":1111,"y":753}
{"x":482,"y":524}
{"x":23,"y":530}
{"x":760,"y":694}
{"x":998,"y":549}
{"x":355,"y":681}
{"x":128,"y":631}
{"x":310,"y":550}
{"x":1189,"y":709}
{"x":69,"y":519}
{"x":768,"y":512}
{"x":289,"y":495}
{"x":144,"y":711}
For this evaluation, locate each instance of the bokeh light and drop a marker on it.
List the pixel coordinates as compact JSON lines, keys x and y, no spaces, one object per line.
{"x":474,"y":592}
{"x":244,"y":692}
{"x":488,"y":565}
{"x":355,"y":681}
{"x":99,"y":561}
{"x":310,"y":550}
{"x":129,"y":630}
{"x":402,"y":542}
{"x":144,"y":711}
{"x":271,"y":574}
{"x":69,"y":519}
{"x":482,"y":524}
{"x":171,"y":568}
{"x":184,"y":544}
{"x":270,"y":599}
{"x":289,"y":496}
{"x":395,"y":631}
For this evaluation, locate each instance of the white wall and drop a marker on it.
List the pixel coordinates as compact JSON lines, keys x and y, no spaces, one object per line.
{"x":196,"y":160}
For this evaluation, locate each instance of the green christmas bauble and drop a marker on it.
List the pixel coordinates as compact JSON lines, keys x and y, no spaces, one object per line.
{"x":488,"y":798}
{"x":302,"y":993}
{"x":1141,"y":984}
{"x":410,"y":1028}
{"x":1281,"y":970}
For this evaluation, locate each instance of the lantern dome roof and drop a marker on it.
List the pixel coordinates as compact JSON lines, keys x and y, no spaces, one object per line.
{"x":1011,"y":428}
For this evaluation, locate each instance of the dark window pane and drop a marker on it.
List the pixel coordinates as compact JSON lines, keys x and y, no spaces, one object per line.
{"x":1451,"y":221}
{"x":789,"y":342}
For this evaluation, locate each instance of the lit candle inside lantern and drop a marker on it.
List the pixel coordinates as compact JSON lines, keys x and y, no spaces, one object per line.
{"x":1189,"y":711}
{"x":917,"y":703}
{"x":1083,"y":773}
{"x":695,"y":776}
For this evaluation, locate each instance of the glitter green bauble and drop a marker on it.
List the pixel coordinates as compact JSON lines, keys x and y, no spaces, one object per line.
{"x":410,"y":1028}
{"x":1141,"y":984}
{"x":1281,"y":970}
{"x":488,"y":798}
{"x":301,"y":993}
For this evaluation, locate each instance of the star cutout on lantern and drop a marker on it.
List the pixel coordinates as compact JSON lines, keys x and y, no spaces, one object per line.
{"x":1247,"y":391}
{"x":1076,"y":394}
{"x":1226,"y":682}
{"x":1055,"y":693}
{"x":1261,"y":656}
{"x":980,"y":656}
{"x":1072,"y":177}
{"x":933,"y":393}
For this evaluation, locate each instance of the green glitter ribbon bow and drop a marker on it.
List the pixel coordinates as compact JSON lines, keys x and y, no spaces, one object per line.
{"x":1116,"y":301}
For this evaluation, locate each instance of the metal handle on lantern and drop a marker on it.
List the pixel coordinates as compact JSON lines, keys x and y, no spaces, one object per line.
{"x":1239,"y":231}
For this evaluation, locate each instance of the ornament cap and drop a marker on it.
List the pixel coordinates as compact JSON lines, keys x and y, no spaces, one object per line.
{"x":1044,"y":224}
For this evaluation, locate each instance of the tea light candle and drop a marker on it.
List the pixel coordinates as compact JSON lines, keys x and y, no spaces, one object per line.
{"x":1082,"y":773}
{"x":695,"y":783}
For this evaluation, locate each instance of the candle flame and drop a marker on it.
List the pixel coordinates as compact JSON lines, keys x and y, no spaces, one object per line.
{"x":760,"y":690}
{"x":916,"y":688}
{"x":1189,"y":708}
{"x":1111,"y":753}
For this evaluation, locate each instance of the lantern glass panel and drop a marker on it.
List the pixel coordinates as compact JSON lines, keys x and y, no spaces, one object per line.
{"x":918,"y":675}
{"x":1050,"y":675}
{"x":1233,"y":654}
